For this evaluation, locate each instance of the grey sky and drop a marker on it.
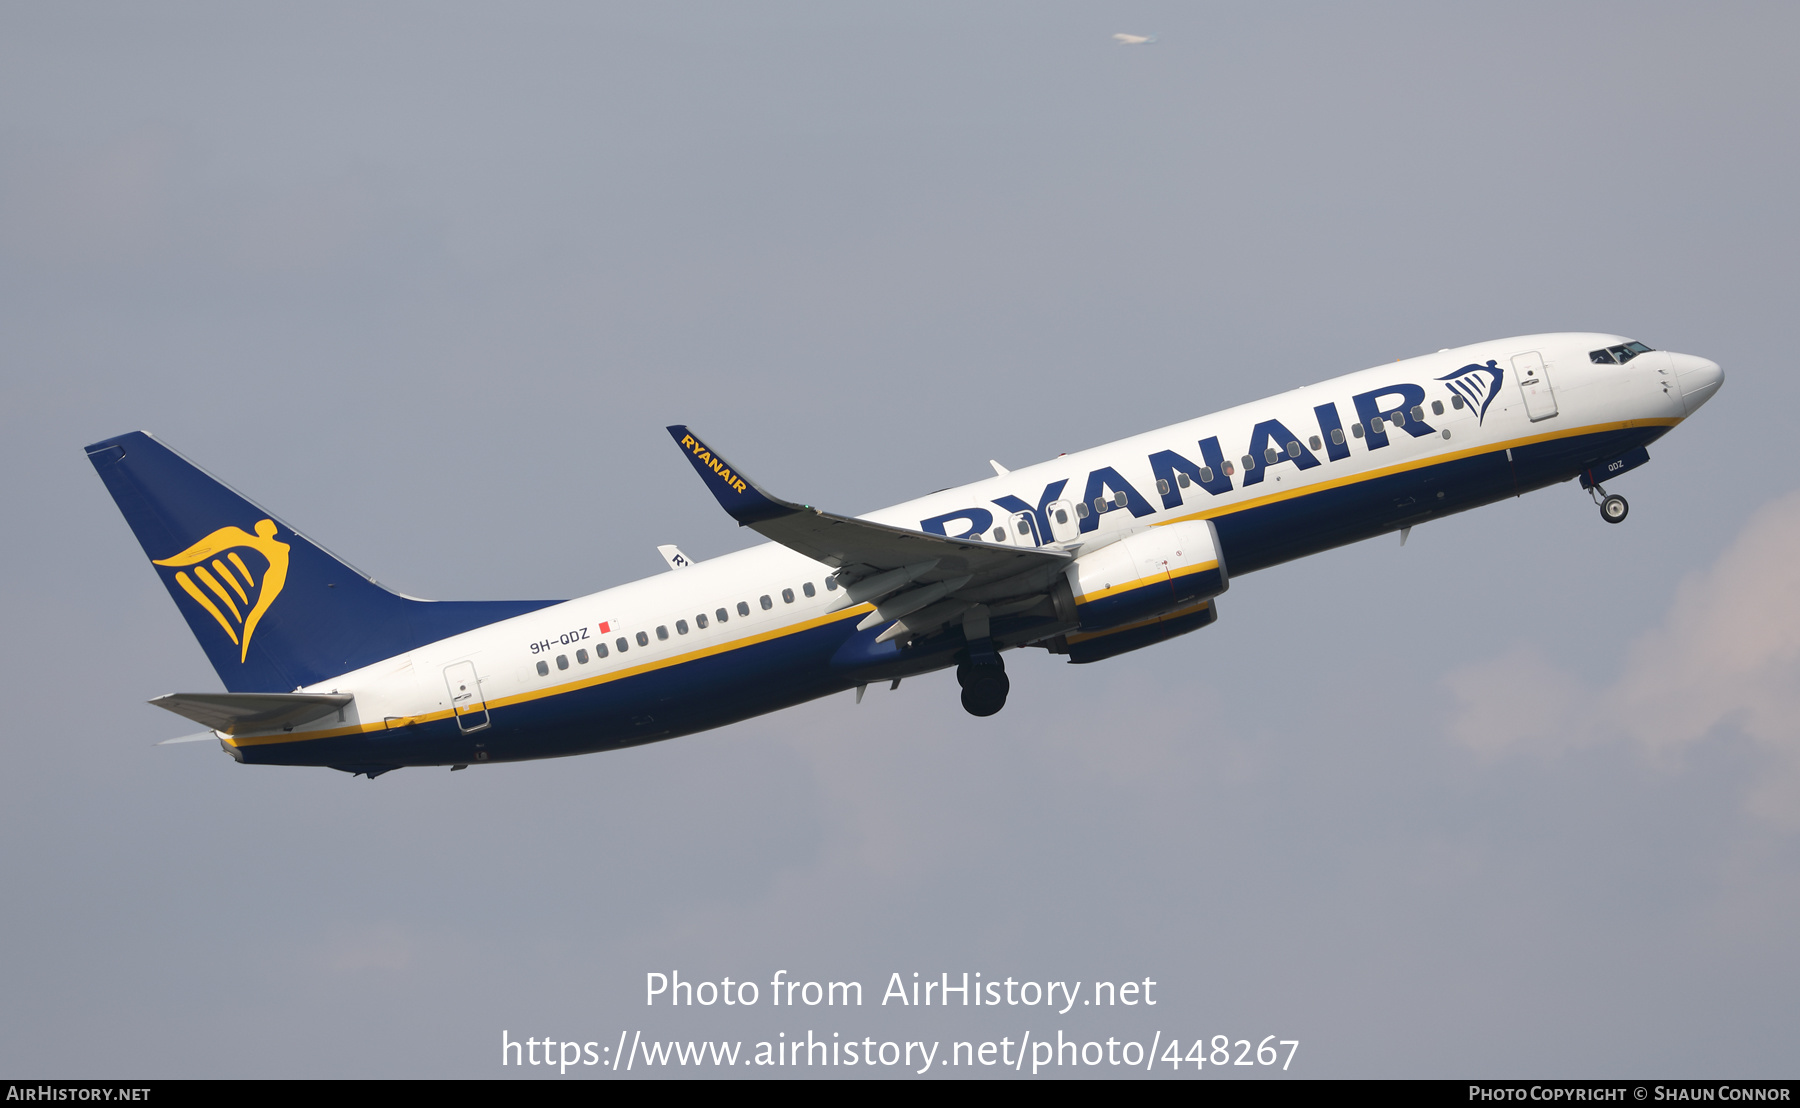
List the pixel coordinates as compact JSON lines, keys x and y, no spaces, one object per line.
{"x":428,"y":280}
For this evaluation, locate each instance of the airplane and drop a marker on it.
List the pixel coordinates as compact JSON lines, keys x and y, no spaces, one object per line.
{"x":1124,"y":39}
{"x":1089,"y":555}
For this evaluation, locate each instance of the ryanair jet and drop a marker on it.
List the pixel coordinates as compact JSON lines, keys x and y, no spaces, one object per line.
{"x":1087,"y":556}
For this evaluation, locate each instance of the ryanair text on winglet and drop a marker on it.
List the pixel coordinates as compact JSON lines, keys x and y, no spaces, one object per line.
{"x":724,"y":471}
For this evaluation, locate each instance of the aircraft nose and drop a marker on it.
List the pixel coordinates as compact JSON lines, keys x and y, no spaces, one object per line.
{"x":1698,"y":378}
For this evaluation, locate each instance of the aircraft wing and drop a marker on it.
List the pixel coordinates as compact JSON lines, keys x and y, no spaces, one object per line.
{"x":236,"y":712}
{"x":855,"y":545}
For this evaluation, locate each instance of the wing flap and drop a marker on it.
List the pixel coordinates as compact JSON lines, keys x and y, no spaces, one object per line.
{"x":234,"y":713}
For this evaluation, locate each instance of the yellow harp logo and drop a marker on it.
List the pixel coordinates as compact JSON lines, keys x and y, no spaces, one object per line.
{"x":216,"y":560}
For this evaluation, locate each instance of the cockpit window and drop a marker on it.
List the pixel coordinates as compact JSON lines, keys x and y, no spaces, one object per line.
{"x":1618,"y":355}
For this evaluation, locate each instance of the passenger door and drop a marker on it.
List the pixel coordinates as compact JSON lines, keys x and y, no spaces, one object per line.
{"x":466,"y":702}
{"x":1534,"y":382}
{"x":1022,"y":529}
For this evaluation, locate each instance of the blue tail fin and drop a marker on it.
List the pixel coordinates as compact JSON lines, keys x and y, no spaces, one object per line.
{"x":272,"y":610}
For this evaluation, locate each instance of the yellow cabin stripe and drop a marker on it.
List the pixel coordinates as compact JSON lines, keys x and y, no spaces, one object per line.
{"x":1416,"y":463}
{"x":586,"y":682}
{"x":861,"y":609}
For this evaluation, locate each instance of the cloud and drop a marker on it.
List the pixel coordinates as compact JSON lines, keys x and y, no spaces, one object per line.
{"x":1726,"y":658}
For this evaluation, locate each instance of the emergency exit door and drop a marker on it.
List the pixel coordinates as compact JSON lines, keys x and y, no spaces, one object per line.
{"x":1534,"y":382}
{"x":466,"y":702}
{"x":1022,"y":529}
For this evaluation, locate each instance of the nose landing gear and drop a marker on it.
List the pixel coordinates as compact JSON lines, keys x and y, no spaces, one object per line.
{"x":1613,"y":508}
{"x":982,"y":676}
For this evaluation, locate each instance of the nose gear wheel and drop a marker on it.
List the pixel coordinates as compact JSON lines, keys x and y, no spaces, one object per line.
{"x":1613,"y":508}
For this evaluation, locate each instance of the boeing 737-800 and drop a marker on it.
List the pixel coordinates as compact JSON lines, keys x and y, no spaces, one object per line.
{"x":1088,"y":555}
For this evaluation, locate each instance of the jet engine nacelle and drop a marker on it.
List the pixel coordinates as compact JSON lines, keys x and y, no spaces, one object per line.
{"x":1147,"y":575}
{"x":1082,"y":648}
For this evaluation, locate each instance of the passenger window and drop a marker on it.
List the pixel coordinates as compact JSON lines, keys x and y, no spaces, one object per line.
{"x":643,"y":637}
{"x":543,"y":669}
{"x":787,"y":596}
{"x":1249,"y":463}
{"x":1376,"y":426}
{"x":1397,"y":418}
{"x":622,"y":643}
{"x":743,"y":608}
{"x":722,"y":616}
{"x":1062,"y":516}
{"x":1119,"y":499}
{"x":562,"y":661}
{"x":700,"y":621}
{"x":1456,"y":402}
{"x":1315,"y":443}
{"x":1206,"y":475}
{"x":1162,"y":486}
{"x":831,"y":584}
{"x":766,"y":602}
{"x":1228,"y":470}
{"x":1100,"y":504}
{"x":599,"y":650}
{"x":662,"y":633}
{"x":1437,"y":407}
{"x":1337,"y":436}
{"x":999,"y":534}
{"x":681,"y":627}
{"x":1024,"y":527}
{"x":1293,"y":450}
{"x":1356,"y":429}
{"x":807,"y":588}
{"x":1181,"y":479}
{"x":581,"y":656}
{"x":1081,"y":510}
{"x":1418,"y":413}
{"x":1271,"y":455}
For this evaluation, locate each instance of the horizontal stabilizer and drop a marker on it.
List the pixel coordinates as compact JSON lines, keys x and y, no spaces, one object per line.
{"x":201,"y":737}
{"x":859,"y":545}
{"x":234,"y":713}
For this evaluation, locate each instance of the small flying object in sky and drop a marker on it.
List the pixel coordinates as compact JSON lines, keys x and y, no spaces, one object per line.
{"x":1124,"y":39}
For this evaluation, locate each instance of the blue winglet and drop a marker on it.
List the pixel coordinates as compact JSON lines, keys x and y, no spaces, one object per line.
{"x":736,"y":493}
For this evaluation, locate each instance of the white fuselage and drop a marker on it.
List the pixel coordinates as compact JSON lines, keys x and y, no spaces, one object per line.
{"x":767,"y":592}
